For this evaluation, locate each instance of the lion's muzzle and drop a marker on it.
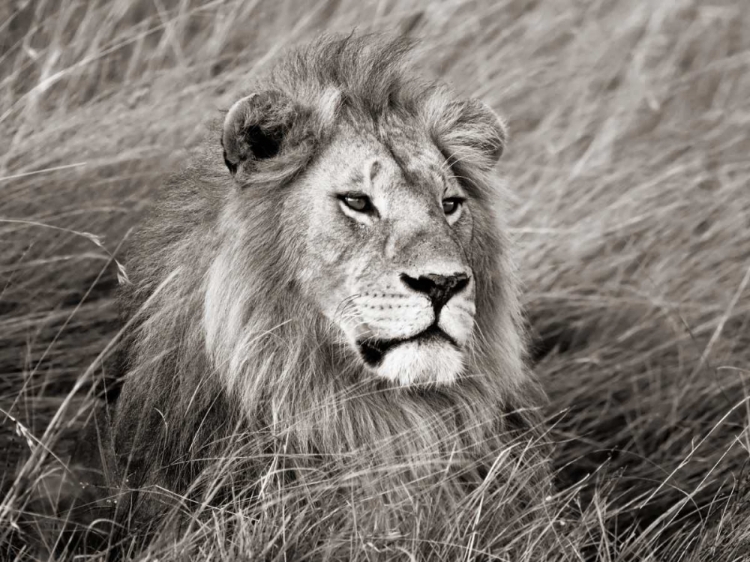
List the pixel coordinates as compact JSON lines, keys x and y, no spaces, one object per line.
{"x":417,"y":329}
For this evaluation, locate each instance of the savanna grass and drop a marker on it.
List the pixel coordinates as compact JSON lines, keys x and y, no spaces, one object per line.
{"x":630,"y":135}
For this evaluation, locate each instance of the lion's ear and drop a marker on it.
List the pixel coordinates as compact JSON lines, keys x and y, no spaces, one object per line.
{"x":471,"y":133}
{"x":255,"y":128}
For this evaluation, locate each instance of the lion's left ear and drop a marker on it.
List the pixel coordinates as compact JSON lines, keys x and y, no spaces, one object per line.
{"x":471,"y":133}
{"x":255,"y":128}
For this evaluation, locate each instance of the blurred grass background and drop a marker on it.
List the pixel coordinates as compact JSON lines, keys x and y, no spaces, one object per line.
{"x":629,"y":164}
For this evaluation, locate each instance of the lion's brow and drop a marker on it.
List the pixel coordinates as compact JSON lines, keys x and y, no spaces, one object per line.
{"x":366,"y":173}
{"x":419,"y":174}
{"x":408,"y":174}
{"x":357,"y":177}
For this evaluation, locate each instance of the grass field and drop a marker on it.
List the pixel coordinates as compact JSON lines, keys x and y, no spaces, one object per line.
{"x":630,"y":168}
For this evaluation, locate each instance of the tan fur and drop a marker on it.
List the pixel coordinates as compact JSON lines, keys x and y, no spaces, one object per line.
{"x":255,"y":340}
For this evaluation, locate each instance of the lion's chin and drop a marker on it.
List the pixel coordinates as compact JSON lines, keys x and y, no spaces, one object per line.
{"x":420,"y":362}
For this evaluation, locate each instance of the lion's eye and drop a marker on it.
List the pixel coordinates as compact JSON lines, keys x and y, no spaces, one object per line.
{"x":451,"y":205}
{"x":359,"y":203}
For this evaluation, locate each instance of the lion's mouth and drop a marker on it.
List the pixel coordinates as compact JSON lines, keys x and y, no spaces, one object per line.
{"x":374,"y":350}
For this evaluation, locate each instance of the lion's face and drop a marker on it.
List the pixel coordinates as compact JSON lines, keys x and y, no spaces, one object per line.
{"x":388,"y":258}
{"x":382,"y":230}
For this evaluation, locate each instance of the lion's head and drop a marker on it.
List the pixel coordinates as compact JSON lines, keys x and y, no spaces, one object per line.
{"x":385,"y":229}
{"x":389,"y":219}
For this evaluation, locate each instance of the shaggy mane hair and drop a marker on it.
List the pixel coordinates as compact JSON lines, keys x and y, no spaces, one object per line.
{"x":226,"y":360}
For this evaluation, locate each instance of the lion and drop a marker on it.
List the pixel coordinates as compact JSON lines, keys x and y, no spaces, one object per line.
{"x":326,"y":283}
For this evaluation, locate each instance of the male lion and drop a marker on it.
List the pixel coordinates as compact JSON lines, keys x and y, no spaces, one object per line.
{"x":324,"y":291}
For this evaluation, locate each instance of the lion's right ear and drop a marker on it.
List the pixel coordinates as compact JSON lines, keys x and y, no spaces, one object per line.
{"x":255,"y":128}
{"x":468,"y":132}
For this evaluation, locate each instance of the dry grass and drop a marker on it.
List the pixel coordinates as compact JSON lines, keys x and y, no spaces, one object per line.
{"x":630,"y":130}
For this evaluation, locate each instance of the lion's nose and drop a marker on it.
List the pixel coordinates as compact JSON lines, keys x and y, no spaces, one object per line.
{"x":440,"y":288}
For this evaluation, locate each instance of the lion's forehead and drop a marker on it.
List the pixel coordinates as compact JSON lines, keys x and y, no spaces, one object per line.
{"x":399,"y":160}
{"x":420,"y":164}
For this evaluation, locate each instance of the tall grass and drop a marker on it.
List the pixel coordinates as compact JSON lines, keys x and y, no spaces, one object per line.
{"x":629,"y":158}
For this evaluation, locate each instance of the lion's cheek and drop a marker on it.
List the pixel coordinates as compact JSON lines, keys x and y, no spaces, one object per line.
{"x":389,"y":317}
{"x":457,"y":320}
{"x":323,"y":276}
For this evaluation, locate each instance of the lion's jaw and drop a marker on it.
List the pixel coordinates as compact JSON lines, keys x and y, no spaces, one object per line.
{"x":398,"y":282}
